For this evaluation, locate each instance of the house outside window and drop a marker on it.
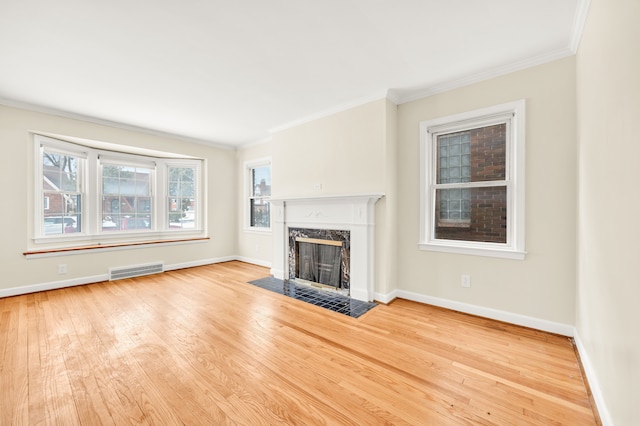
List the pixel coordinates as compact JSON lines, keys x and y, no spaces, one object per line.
{"x":61,"y":191}
{"x":126,"y":196}
{"x":258,"y":176}
{"x":472,"y":169}
{"x":89,"y":193}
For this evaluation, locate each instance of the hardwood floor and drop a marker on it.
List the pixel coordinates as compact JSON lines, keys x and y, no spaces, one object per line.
{"x":200,"y":346}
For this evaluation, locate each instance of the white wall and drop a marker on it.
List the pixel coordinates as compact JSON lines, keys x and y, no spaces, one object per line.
{"x":349,"y":152}
{"x":608,"y":75}
{"x":343,"y":152}
{"x":543,"y":285}
{"x":16,"y":171}
{"x":253,"y":246}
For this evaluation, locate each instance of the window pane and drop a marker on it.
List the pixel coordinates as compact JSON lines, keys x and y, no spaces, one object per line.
{"x":475,"y":155}
{"x":488,"y":153}
{"x":63,"y":215}
{"x":452,"y":166}
{"x":472,"y":214}
{"x":126,"y":198}
{"x":182,"y":203}
{"x":61,"y":186}
{"x":261,"y":181}
{"x":60,"y":172}
{"x":259,"y":211}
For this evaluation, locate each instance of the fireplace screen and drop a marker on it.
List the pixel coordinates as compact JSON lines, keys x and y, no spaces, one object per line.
{"x":319,"y":261}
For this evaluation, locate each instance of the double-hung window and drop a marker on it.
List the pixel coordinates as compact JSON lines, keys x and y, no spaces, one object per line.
{"x":126,"y":197}
{"x":102,"y":192}
{"x":472,"y":182}
{"x":61,"y":191}
{"x":258,"y":178}
{"x":182,"y":195}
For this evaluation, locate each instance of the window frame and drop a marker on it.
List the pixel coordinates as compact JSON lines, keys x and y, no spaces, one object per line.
{"x":91,"y":182}
{"x":61,"y":148}
{"x":514,"y":114}
{"x":198,"y":183}
{"x":249,"y":166}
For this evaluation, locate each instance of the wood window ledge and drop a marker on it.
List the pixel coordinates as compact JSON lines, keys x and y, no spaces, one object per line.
{"x":89,"y":248}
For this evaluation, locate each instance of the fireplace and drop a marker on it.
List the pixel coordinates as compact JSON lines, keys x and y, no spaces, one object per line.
{"x":348,"y":219}
{"x":320,"y":257}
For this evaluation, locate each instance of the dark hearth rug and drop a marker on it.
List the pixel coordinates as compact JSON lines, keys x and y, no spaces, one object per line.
{"x":325,"y":299}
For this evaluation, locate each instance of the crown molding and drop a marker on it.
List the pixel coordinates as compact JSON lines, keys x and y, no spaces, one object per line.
{"x":94,"y":120}
{"x":400,"y":96}
{"x":331,"y":111}
{"x":498,"y":71}
{"x":579,"y":20}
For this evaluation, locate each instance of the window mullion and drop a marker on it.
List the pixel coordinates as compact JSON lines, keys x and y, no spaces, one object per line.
{"x":479,"y":184}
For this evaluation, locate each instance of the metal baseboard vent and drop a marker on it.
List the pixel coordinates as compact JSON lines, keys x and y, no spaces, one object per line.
{"x":135,"y":271}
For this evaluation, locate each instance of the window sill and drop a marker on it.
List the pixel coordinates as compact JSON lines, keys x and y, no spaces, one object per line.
{"x":259,"y":231}
{"x":65,"y":251}
{"x":504,"y":253}
{"x":453,"y":224}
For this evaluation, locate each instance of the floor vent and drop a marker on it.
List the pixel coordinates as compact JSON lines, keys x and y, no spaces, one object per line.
{"x":135,"y":271}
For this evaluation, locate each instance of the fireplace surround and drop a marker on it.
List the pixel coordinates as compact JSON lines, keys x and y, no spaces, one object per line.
{"x":321,"y":256}
{"x":352,"y":213}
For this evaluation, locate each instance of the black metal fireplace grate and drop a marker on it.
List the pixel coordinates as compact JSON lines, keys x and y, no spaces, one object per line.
{"x":325,"y":299}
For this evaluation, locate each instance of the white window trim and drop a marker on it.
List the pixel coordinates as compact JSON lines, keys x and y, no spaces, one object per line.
{"x":515,"y":246}
{"x":163,"y":215}
{"x":248,"y":166}
{"x":90,"y":183}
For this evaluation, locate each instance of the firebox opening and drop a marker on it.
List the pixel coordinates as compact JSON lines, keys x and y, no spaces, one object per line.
{"x":319,"y":261}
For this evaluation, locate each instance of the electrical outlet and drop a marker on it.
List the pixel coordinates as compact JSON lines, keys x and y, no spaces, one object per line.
{"x":317,"y":186}
{"x":465,"y":281}
{"x":62,"y":268}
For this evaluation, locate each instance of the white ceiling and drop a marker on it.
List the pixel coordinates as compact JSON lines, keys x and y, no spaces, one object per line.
{"x":230,"y":72}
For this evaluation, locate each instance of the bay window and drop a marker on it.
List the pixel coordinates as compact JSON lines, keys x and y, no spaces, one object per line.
{"x":89,"y":193}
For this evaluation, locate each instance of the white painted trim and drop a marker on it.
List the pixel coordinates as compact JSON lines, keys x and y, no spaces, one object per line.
{"x":385,"y":298}
{"x":248,"y":190}
{"x":258,"y":262}
{"x":333,"y":110}
{"x":474,"y":251}
{"x":513,"y":113}
{"x":594,"y":384}
{"x":494,"y":72}
{"x":496,"y":314}
{"x":353,"y":213}
{"x":202,"y":262}
{"x":54,"y":285}
{"x":579,"y":20}
{"x":89,"y":119}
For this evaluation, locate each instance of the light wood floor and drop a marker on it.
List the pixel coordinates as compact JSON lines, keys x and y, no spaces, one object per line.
{"x":200,"y":346}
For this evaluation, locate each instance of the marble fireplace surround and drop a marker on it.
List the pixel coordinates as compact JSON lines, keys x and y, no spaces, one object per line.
{"x":353,"y":213}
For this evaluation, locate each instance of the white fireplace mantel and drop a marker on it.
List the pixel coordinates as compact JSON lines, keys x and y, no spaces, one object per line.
{"x":353,"y":213}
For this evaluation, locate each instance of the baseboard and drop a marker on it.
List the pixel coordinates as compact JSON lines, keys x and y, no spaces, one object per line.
{"x":17,"y":291}
{"x":277,"y":273}
{"x":510,"y":317}
{"x":54,"y":285}
{"x":592,"y":378}
{"x":201,"y":262}
{"x":254,"y":261}
{"x":385,"y":298}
